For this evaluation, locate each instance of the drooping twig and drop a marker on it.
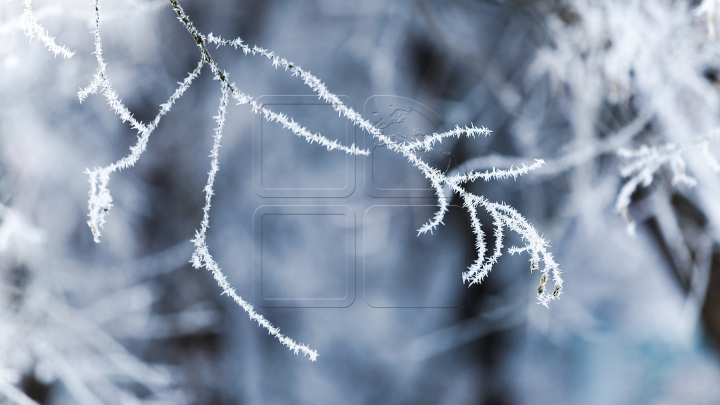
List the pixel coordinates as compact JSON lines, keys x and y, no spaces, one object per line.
{"x":504,"y":217}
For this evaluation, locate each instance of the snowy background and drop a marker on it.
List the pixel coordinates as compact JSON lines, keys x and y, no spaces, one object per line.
{"x":325,"y":244}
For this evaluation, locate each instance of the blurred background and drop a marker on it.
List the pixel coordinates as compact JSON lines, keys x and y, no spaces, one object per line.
{"x":325,"y":245}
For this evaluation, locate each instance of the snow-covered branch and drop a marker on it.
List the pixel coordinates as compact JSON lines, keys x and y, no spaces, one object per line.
{"x":33,"y":29}
{"x":504,"y":217}
{"x":644,"y":162}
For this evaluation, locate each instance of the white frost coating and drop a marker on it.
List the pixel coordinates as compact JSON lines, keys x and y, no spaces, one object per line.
{"x":503,"y":215}
{"x":645,"y":161}
{"x":651,"y":55}
{"x":289,"y":124}
{"x":100,"y":200}
{"x":202,"y":257}
{"x":497,"y":174}
{"x":33,"y":29}
{"x":426,"y":143}
{"x":269,"y":115}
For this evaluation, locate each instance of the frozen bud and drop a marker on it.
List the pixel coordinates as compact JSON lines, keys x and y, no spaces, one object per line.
{"x":556,"y":291}
{"x":541,"y":289}
{"x":543,"y":279}
{"x":533,"y":266}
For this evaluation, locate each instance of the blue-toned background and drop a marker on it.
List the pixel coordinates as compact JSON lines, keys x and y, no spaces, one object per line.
{"x":324,"y":244}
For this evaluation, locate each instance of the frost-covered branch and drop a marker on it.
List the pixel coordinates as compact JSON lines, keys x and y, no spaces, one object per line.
{"x":446,"y":183}
{"x":498,"y":174}
{"x":33,"y":29}
{"x":100,"y":200}
{"x":645,"y":161}
{"x":566,"y":161}
{"x":504,"y":217}
{"x":427,"y":142}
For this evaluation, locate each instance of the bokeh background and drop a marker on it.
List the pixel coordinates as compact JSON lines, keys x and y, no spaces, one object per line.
{"x":129,"y":321}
